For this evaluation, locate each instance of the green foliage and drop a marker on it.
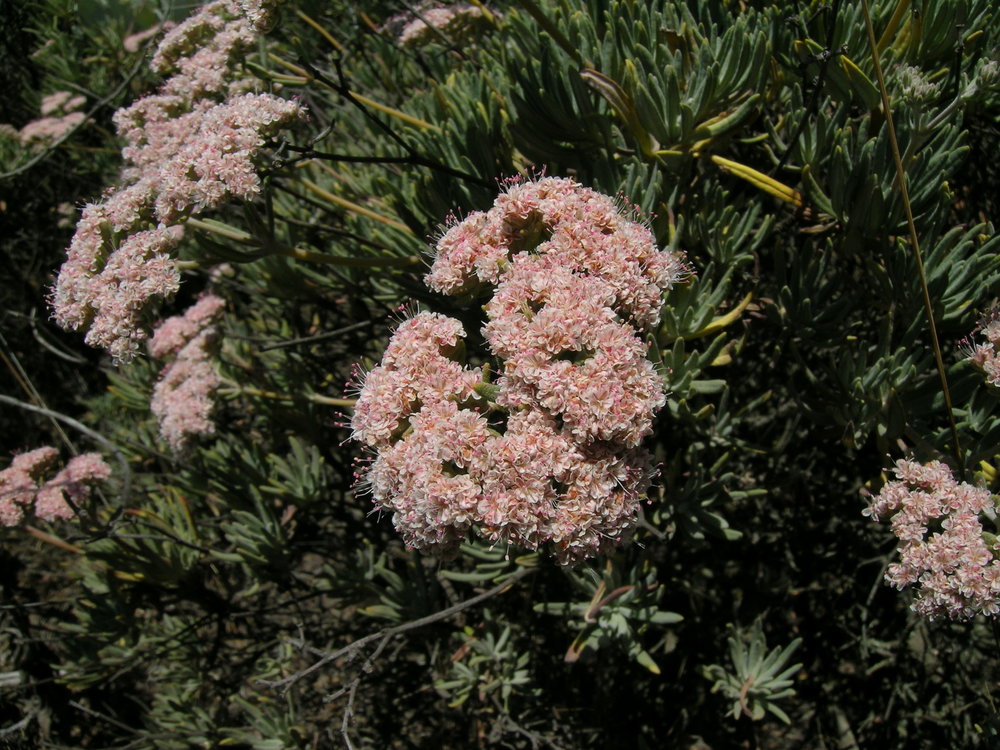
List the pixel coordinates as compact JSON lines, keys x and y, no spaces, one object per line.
{"x":620,"y":603}
{"x":487,"y":667}
{"x":760,"y":677}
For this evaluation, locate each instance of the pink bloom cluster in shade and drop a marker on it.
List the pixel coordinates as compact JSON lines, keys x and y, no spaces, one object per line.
{"x":59,"y":115}
{"x":458,"y":22}
{"x":22,"y":488}
{"x":942,"y":546}
{"x":183,"y":397}
{"x":575,"y":286}
{"x":190,"y":147}
{"x":132,"y":42}
{"x":984,"y":354}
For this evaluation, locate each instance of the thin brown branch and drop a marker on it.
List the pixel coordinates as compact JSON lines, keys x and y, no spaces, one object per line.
{"x":330,"y":656}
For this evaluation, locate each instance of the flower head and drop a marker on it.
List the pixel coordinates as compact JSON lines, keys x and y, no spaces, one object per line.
{"x":458,"y":23}
{"x":21,"y":486}
{"x":576,"y":284}
{"x":583,"y":230}
{"x":190,"y":147}
{"x":74,"y":482}
{"x":941,"y":544}
{"x":984,"y":354}
{"x":183,"y":397}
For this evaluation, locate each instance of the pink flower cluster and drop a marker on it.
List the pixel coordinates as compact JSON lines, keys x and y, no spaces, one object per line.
{"x":458,"y":22}
{"x":575,"y":284}
{"x":183,"y":396}
{"x":132,"y":42}
{"x":984,"y":355}
{"x":189,"y":148}
{"x":941,"y":542}
{"x":21,"y":485}
{"x":59,"y":115}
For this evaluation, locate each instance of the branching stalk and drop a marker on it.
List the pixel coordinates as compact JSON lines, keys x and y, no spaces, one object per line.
{"x":914,"y":241}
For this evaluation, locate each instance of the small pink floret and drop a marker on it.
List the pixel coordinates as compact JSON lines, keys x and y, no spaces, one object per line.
{"x":954,"y":568}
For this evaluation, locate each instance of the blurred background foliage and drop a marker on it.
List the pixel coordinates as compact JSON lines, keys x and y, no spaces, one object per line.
{"x":797,"y":358}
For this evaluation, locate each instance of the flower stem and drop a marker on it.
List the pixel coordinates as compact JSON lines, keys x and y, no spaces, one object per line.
{"x":356,"y":208}
{"x":914,"y":242}
{"x":323,"y":32}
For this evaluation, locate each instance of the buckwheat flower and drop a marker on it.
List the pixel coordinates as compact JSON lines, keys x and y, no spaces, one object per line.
{"x":597,"y":511}
{"x":174,"y":333}
{"x":208,"y":71}
{"x":19,"y":482}
{"x":942,"y":547}
{"x":61,"y":103}
{"x":425,"y":479}
{"x":140,"y":271}
{"x":466,"y":257}
{"x":983,"y":354}
{"x":203,"y":52}
{"x":154,"y":128}
{"x":74,"y":481}
{"x":596,"y":379}
{"x":421,"y":338}
{"x":543,"y":489}
{"x":183,"y":397}
{"x":417,"y":369}
{"x":459,"y":23}
{"x":583,"y":230}
{"x":194,"y":33}
{"x":540,"y":298}
{"x":101,"y":228}
{"x":522,"y":474}
{"x":53,"y":103}
{"x":216,"y":162}
{"x":48,"y":129}
{"x":132,"y":42}
{"x":190,"y":147}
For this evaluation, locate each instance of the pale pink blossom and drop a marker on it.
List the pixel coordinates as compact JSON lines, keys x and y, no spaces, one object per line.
{"x":983,"y":355}
{"x":458,"y":22}
{"x":598,"y":509}
{"x":21,"y":487}
{"x":540,"y":299}
{"x":74,"y":482}
{"x":175,"y":332}
{"x":425,"y":477}
{"x":953,"y":565}
{"x":219,"y":27}
{"x":600,"y":384}
{"x":109,"y":293}
{"x":186,"y":152}
{"x":48,"y":129}
{"x":216,"y":162}
{"x":585,"y":232}
{"x":542,"y":488}
{"x":417,"y":369}
{"x":60,"y":102}
{"x":184,"y":396}
{"x":19,"y":482}
{"x":132,"y":42}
